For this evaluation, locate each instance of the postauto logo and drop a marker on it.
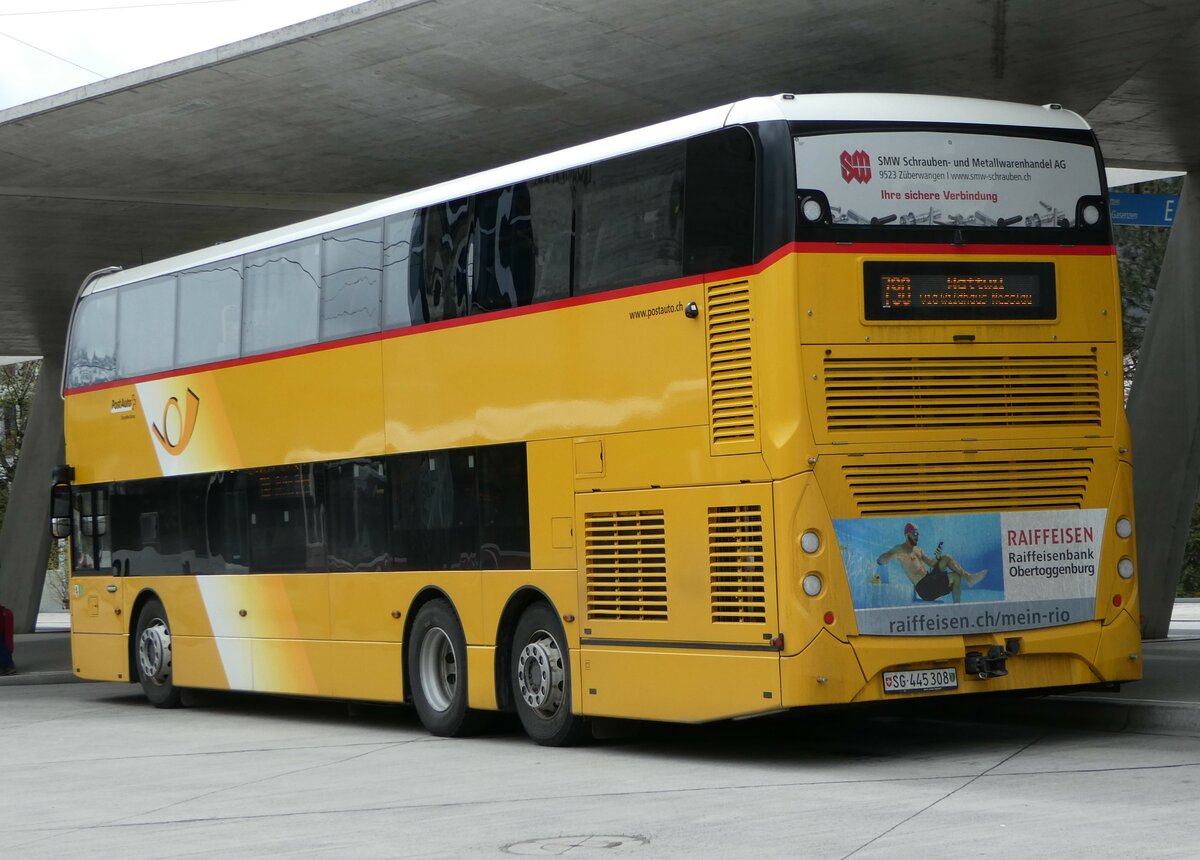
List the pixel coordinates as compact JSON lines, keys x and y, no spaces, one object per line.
{"x":178,"y":424}
{"x":856,"y":166}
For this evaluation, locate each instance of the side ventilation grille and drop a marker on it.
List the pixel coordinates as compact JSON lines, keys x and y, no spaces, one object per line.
{"x":731,"y":369}
{"x":626,"y":566}
{"x":737,"y":590}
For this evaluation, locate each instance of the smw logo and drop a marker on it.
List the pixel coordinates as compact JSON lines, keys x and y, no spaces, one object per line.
{"x":178,"y":422}
{"x":856,"y":166}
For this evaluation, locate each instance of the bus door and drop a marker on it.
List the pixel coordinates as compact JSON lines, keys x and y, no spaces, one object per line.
{"x":97,"y":594}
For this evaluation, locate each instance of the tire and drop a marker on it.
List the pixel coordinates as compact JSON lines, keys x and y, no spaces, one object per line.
{"x":540,"y":674}
{"x":437,"y":673}
{"x":152,"y":656}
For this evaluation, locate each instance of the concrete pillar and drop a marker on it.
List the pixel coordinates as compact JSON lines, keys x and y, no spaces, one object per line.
{"x":1164,"y":413}
{"x":25,"y":537}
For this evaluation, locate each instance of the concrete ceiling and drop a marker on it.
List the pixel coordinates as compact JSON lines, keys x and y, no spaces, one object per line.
{"x":395,"y":94}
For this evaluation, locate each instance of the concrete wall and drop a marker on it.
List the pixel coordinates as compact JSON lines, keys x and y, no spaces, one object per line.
{"x":25,"y":536}
{"x":1164,"y":412}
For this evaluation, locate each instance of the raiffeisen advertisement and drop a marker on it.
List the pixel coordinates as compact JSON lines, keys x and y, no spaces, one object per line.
{"x":954,"y":574}
{"x":931,"y":179}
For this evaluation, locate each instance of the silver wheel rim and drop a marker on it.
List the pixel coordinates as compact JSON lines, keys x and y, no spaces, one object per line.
{"x":541,"y":675}
{"x":439,"y":669}
{"x":154,"y":652}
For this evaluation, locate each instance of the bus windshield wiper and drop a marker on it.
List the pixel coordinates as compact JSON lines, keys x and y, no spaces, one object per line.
{"x":886,"y":219}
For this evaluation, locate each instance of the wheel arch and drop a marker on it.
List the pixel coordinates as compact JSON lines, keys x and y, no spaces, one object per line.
{"x":518,"y":602}
{"x":426,"y":595}
{"x":135,"y":612}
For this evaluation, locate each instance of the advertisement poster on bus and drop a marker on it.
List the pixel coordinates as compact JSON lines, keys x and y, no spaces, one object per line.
{"x":954,"y":574}
{"x":961,"y":180}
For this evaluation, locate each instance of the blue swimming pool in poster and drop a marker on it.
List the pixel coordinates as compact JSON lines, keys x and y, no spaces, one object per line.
{"x":948,"y":574}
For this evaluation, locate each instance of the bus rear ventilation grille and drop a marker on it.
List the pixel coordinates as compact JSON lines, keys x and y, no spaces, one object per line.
{"x":625,"y":560}
{"x":882,"y":489}
{"x":972,"y":392}
{"x":736,"y":567}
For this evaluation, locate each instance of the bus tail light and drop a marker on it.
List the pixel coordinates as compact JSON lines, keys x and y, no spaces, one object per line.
{"x":1124,"y":527}
{"x":810,"y":541}
{"x":1125,"y":568}
{"x":812,"y":584}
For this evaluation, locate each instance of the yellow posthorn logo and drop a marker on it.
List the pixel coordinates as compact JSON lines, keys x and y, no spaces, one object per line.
{"x":177,"y":432}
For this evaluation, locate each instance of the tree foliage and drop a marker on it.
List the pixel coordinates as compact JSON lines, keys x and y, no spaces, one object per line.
{"x":1189,"y":579}
{"x":1140,"y":252}
{"x":17,"y":384}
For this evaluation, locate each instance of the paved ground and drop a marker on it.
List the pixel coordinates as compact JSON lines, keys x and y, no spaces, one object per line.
{"x":1185,"y":619}
{"x":90,"y":770}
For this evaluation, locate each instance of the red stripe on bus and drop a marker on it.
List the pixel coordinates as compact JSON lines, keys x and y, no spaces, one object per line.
{"x":229,"y":362}
{"x":865,"y":248}
{"x":405,"y":331}
{"x":926,"y":249}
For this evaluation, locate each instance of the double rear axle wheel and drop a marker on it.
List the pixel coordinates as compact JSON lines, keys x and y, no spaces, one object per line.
{"x":539,"y":675}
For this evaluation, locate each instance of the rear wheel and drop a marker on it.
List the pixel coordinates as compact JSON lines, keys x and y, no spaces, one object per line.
{"x":152,"y":656}
{"x":437,"y":672}
{"x":541,"y":679}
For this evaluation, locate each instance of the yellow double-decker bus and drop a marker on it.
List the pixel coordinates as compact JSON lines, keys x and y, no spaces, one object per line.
{"x":799,"y":400}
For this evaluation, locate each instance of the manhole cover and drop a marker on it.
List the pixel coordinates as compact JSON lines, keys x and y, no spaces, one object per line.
{"x":575,"y":846}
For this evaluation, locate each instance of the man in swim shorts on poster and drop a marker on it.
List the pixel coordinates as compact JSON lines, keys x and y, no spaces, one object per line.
{"x":975,"y":572}
{"x":932,"y":577}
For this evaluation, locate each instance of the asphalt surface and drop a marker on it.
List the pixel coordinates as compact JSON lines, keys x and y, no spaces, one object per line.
{"x":91,"y":770}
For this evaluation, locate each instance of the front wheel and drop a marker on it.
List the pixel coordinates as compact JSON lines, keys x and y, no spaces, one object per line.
{"x":437,"y":672}
{"x":153,"y":657}
{"x":541,"y":679}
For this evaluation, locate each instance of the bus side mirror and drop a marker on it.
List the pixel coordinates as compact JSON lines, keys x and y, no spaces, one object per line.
{"x":60,"y":510}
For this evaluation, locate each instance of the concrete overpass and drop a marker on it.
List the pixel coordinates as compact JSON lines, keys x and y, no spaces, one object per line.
{"x":395,"y":94}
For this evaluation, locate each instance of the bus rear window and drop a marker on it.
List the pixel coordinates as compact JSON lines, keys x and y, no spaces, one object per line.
{"x":946,"y":179}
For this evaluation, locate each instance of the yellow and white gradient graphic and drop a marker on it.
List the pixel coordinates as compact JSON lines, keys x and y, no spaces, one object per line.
{"x":269,"y":630}
{"x":219,"y":596}
{"x":185,"y":419}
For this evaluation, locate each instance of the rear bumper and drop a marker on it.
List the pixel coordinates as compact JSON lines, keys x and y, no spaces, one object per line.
{"x":829,"y":671}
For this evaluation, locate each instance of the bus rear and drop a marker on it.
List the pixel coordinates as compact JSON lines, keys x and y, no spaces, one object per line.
{"x":962,"y":520}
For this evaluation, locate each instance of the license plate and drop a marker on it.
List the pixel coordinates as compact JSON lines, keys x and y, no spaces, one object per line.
{"x":920,"y":680}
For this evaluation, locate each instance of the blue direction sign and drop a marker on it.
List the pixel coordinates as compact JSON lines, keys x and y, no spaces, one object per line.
{"x":1143,"y":210}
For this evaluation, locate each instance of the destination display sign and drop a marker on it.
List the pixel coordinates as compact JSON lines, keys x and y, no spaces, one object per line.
{"x":908,"y":290}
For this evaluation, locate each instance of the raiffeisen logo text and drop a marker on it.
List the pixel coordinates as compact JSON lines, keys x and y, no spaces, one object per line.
{"x":177,"y":423}
{"x":856,"y":166}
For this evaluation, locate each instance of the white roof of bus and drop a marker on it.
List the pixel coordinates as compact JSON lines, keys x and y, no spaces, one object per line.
{"x":831,"y":107}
